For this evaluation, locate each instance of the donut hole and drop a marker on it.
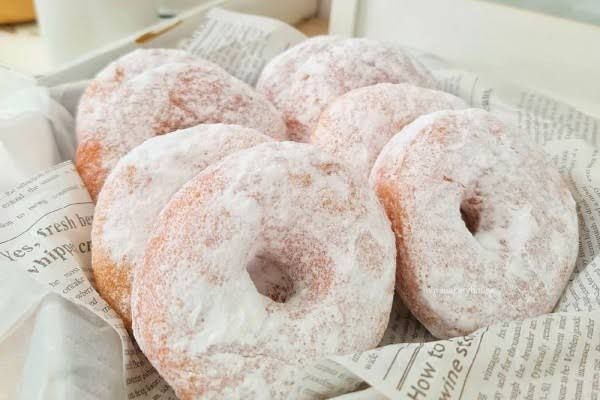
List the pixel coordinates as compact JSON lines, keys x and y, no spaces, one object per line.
{"x":270,"y":278}
{"x":470,"y":211}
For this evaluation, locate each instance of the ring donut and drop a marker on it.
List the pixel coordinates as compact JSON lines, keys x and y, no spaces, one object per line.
{"x":138,"y":188}
{"x":356,"y":125}
{"x":486,"y":230}
{"x":115,"y":74}
{"x":303,"y":80}
{"x":162,"y":100}
{"x":256,"y":267}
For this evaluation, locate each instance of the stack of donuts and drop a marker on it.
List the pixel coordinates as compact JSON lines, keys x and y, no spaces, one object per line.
{"x":242,"y":233}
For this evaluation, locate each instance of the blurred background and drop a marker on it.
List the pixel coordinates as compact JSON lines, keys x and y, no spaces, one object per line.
{"x":550,"y":45}
{"x":39,"y":35}
{"x":580,"y":10}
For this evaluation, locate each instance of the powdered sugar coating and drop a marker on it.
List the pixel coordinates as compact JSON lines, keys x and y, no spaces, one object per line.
{"x":510,"y":255}
{"x":164,"y":99}
{"x":303,"y":80}
{"x":104,"y":85}
{"x":197,"y":314}
{"x":355,"y":126}
{"x":139,"y":187}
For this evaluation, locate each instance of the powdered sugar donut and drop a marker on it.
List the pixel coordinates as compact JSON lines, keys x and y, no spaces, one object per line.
{"x":165,"y":99}
{"x":307,"y":230}
{"x":116,"y":73}
{"x":139,"y":187}
{"x":510,"y":255}
{"x":304,"y":79}
{"x":355,"y":126}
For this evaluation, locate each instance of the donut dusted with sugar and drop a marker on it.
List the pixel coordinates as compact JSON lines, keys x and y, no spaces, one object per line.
{"x":162,"y":100}
{"x":259,"y":265}
{"x":486,"y":229}
{"x":303,"y":80}
{"x":355,"y":126}
{"x":139,"y":187}
{"x":104,"y":85}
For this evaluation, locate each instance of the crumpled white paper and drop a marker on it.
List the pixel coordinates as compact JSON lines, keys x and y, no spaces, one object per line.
{"x":36,"y":132}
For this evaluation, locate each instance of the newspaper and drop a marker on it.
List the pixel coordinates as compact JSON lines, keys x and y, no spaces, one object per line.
{"x":46,"y":292}
{"x":45,"y":227}
{"x":241,"y":45}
